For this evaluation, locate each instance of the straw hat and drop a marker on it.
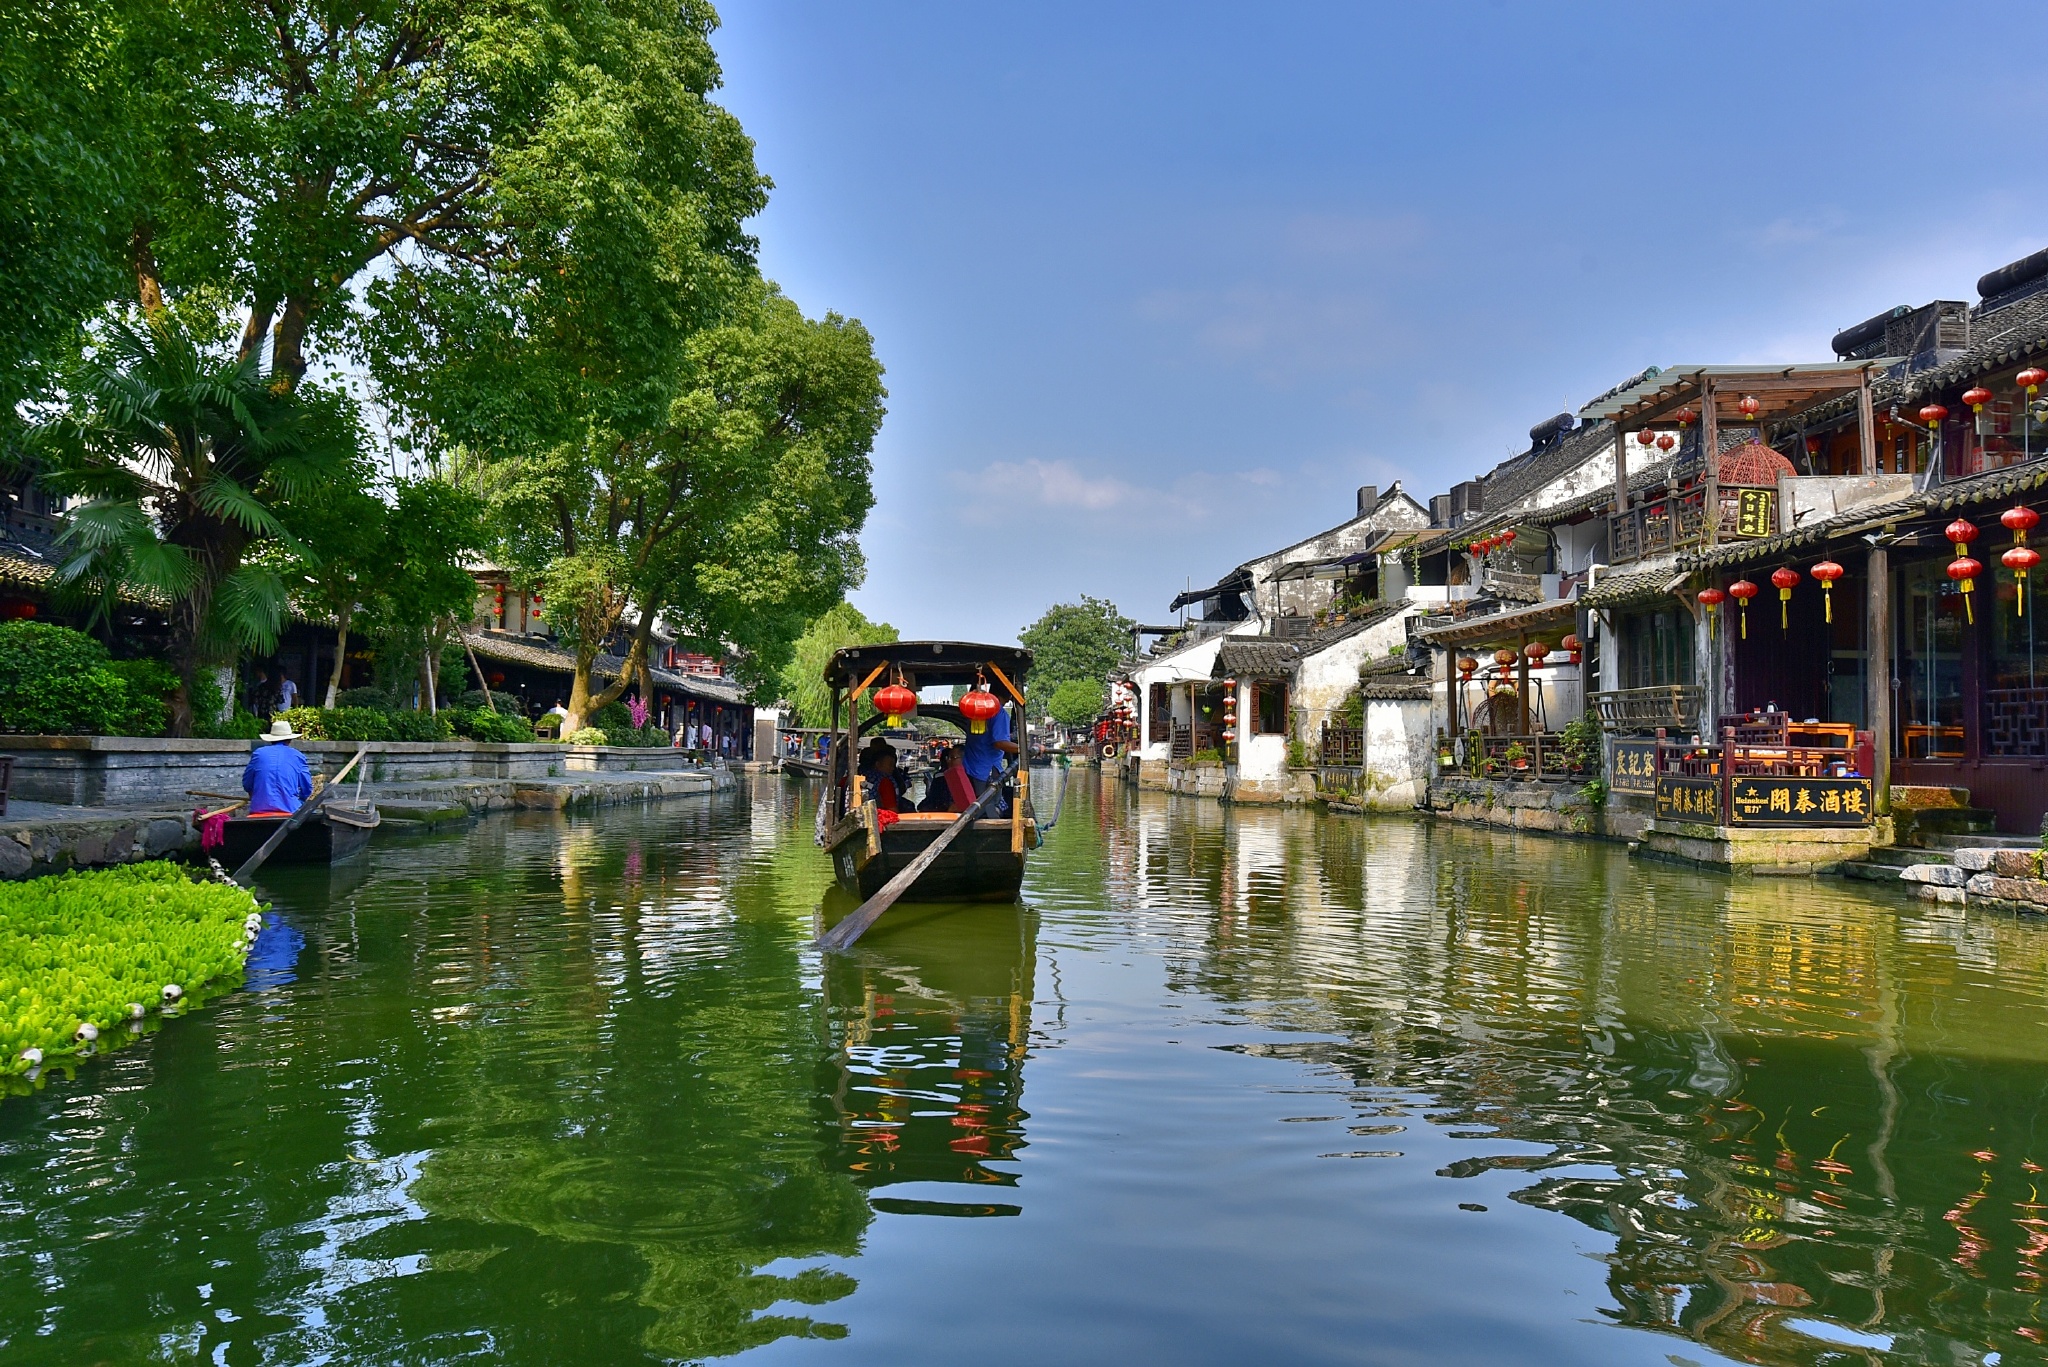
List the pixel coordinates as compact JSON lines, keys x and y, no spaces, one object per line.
{"x":279,"y":730}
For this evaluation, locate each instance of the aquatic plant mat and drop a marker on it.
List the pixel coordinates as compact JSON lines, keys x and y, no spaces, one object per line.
{"x":88,"y":947}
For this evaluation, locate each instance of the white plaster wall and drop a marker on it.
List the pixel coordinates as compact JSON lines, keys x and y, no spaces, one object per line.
{"x":1193,"y":661}
{"x":1259,"y":758}
{"x":1305,"y":597}
{"x":1398,"y":740}
{"x":1322,"y":680}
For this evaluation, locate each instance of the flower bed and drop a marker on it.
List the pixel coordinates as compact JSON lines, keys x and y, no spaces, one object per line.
{"x":86,"y":948}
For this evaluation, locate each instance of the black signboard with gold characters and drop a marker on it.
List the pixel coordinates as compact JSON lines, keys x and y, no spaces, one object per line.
{"x":1764,"y":801}
{"x":1634,"y":769}
{"x":1756,"y":514}
{"x":1689,"y":799}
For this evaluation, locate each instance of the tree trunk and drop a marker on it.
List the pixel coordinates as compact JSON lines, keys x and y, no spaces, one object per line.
{"x":149,"y":289}
{"x":253,"y":332}
{"x":340,"y":660}
{"x":427,"y":704}
{"x":584,"y":695}
{"x":288,"y":346}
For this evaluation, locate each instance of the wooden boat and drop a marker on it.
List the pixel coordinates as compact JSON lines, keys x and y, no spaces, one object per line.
{"x":986,"y":861}
{"x":335,"y":832}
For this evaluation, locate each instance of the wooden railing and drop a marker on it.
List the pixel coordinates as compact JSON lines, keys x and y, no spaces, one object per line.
{"x":1539,"y":758}
{"x":1343,"y":745}
{"x":1670,"y":707}
{"x":1661,"y":524}
{"x":1766,"y":770}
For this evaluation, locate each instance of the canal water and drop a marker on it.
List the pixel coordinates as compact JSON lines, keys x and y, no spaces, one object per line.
{"x":1232,"y":1086}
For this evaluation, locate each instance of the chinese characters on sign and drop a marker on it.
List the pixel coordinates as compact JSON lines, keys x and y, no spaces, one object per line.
{"x":1689,"y":799}
{"x":1757,"y":513}
{"x":1801,"y":802}
{"x":1635,"y":766}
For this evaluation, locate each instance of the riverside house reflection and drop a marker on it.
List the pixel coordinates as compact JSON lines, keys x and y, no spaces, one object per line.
{"x":1809,"y":1121}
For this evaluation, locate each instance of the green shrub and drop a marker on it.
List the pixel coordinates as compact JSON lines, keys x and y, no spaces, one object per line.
{"x":1208,"y":756}
{"x":589,"y":735}
{"x":482,"y":724}
{"x":55,"y":681}
{"x":367,"y":723}
{"x":79,"y":947}
{"x":150,"y":684}
{"x":375,"y":699}
{"x":208,"y":702}
{"x":244,"y":725}
{"x":612,"y":717}
{"x":636,"y":737}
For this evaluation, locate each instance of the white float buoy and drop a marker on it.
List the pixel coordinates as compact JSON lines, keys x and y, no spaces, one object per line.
{"x":32,"y":1056}
{"x":86,"y":1032}
{"x":136,"y":1011}
{"x":172,"y":992}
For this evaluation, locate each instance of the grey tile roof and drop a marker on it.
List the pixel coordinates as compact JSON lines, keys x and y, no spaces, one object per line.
{"x":1394,"y":688}
{"x":1254,"y":657}
{"x":1637,"y":586}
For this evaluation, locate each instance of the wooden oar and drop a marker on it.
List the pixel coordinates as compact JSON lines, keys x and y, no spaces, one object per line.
{"x":291,"y":823}
{"x":856,"y":925}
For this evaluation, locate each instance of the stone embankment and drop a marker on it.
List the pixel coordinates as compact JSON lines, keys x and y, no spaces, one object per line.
{"x":413,"y":785}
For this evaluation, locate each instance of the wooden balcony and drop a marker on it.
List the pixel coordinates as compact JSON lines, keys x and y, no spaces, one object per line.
{"x":1668,"y":707}
{"x":1661,"y":524}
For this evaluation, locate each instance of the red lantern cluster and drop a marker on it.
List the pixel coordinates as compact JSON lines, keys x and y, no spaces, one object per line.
{"x":1742,"y":591}
{"x":1963,"y":569}
{"x":2019,"y":520}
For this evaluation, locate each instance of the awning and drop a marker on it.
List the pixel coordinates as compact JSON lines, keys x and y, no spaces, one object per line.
{"x":1237,"y":581}
{"x":1559,"y":615}
{"x":1778,"y":390}
{"x":1337,"y":567}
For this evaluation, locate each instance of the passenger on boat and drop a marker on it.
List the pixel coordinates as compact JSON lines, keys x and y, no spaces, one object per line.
{"x":277,"y":779}
{"x":878,"y":769}
{"x":949,"y":790}
{"x":984,"y":757}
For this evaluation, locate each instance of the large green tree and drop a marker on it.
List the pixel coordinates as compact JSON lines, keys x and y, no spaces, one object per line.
{"x":803,"y":677}
{"x":732,"y":518}
{"x":1083,"y":641}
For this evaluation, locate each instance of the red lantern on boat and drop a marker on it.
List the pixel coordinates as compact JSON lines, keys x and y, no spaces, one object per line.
{"x":895,"y":702}
{"x":1571,"y":643}
{"x":1665,"y":441}
{"x":1742,"y":591}
{"x":1976,"y":396}
{"x":1964,"y":570}
{"x":2031,"y":379}
{"x":1827,"y":571}
{"x":2019,"y":560}
{"x":1750,"y":406}
{"x":1932,"y":415}
{"x":978,"y":706}
{"x":1786,"y":578}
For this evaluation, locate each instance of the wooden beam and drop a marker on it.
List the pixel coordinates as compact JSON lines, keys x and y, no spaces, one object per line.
{"x":1016,"y":693}
{"x":1710,"y":454}
{"x":1866,"y":430}
{"x":1620,"y":473}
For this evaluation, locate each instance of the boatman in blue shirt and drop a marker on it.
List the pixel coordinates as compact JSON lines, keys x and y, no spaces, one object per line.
{"x":277,"y":779}
{"x":983,"y":759}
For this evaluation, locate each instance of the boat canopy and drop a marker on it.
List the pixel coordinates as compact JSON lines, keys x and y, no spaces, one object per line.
{"x":928,"y":663}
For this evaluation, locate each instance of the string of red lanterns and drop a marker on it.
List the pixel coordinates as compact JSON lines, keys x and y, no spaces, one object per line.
{"x":2019,"y":520}
{"x":1963,"y":569}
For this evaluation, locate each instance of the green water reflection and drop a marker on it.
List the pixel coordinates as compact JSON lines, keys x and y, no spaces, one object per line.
{"x":1301,"y":1089}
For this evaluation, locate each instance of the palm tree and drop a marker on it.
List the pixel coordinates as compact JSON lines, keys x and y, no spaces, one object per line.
{"x":182,"y":453}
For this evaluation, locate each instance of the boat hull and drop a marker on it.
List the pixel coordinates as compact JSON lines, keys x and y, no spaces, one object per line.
{"x":321,"y":839}
{"x":979,"y":866}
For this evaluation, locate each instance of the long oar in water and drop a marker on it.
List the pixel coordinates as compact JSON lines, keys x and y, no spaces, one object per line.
{"x":295,"y":820}
{"x":867,"y":913}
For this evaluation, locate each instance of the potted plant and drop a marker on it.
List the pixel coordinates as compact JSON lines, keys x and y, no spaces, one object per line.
{"x":1517,"y":758}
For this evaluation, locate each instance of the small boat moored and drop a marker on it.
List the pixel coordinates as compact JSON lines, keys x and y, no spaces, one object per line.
{"x":337,"y":831}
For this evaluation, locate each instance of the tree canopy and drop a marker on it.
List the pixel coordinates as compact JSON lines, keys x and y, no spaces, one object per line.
{"x":1077,"y":702}
{"x":1083,"y":641}
{"x":803,"y":678}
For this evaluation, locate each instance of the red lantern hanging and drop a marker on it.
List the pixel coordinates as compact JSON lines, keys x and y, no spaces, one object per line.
{"x":1962,"y":532}
{"x":1646,"y":437}
{"x":978,"y":706}
{"x":1964,"y":570}
{"x":1466,"y":667}
{"x":1665,"y":441}
{"x":1977,"y":396}
{"x":1503,"y":657}
{"x":1786,"y":578}
{"x":1507,"y":538}
{"x":1686,"y":418}
{"x":2031,"y":379}
{"x":1742,"y":591}
{"x":2019,"y":560}
{"x":1571,"y":643}
{"x":895,"y":702}
{"x":1750,"y":406}
{"x":1827,"y":571}
{"x":1711,"y":599}
{"x":497,"y":678}
{"x":1932,"y":415}
{"x":2019,"y":520}
{"x":1538,"y":652}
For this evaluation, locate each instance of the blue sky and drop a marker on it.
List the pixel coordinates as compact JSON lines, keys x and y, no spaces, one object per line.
{"x":1158,"y":286}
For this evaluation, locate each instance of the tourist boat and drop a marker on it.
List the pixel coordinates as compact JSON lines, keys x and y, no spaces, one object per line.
{"x":868,"y":846}
{"x":335,"y":832}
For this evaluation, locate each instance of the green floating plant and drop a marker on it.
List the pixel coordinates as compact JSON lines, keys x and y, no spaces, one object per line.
{"x":85,"y":948}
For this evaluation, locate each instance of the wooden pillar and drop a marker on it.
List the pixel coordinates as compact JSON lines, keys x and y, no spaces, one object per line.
{"x":1877,"y":670}
{"x":1620,"y":472}
{"x":1710,"y":456}
{"x":1522,"y":684}
{"x":1866,"y":429}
